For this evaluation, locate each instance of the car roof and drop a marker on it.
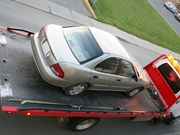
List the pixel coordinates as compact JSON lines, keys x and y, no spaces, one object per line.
{"x":171,"y":4}
{"x":109,"y":43}
{"x":168,"y":2}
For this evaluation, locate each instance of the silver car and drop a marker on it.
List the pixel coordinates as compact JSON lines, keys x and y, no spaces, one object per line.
{"x":80,"y":58}
{"x":177,"y":16}
{"x":170,"y":6}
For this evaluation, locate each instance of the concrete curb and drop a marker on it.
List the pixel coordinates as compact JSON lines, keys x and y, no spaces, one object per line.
{"x":86,"y":2}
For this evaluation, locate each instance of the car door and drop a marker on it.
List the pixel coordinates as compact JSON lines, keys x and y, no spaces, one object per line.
{"x":104,"y":74}
{"x":125,"y":77}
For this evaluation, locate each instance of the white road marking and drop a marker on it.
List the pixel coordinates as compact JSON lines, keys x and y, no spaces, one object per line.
{"x":6,"y":90}
{"x":3,"y":39}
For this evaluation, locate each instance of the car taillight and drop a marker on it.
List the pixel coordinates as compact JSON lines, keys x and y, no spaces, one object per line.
{"x":57,"y":70}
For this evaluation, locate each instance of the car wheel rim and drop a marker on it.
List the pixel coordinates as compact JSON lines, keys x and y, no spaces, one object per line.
{"x":134,"y":92}
{"x":85,"y":124}
{"x":76,"y":89}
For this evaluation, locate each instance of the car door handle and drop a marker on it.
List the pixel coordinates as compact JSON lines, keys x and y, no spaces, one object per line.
{"x":95,"y":76}
{"x":118,"y":80}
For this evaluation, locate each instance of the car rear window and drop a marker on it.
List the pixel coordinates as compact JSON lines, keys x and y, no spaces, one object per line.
{"x":82,"y":43}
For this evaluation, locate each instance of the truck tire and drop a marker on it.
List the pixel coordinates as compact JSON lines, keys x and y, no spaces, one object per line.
{"x":171,"y":120}
{"x":80,"y":124}
{"x":76,"y":89}
{"x":133,"y":92}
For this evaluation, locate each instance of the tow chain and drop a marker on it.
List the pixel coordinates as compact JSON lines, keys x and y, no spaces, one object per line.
{"x":16,"y":32}
{"x":79,"y":107}
{"x":13,"y":35}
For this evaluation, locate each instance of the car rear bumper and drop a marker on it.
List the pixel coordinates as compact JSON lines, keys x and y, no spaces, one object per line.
{"x":42,"y":66}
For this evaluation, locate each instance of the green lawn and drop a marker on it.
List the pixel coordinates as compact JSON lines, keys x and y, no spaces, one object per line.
{"x":139,"y":18}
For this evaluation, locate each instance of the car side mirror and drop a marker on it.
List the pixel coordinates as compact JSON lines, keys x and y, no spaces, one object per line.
{"x":135,"y":77}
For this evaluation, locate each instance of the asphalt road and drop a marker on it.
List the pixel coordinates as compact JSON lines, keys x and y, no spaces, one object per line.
{"x":166,"y":14}
{"x":18,"y":15}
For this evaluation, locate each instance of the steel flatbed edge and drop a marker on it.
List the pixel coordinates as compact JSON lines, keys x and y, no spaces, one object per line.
{"x":58,"y":113}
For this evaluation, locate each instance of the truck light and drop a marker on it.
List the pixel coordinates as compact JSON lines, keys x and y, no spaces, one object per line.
{"x":170,"y":57}
{"x":8,"y":112}
{"x":174,"y":62}
{"x":28,"y":114}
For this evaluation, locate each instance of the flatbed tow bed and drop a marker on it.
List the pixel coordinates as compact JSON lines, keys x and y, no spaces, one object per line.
{"x":23,"y":91}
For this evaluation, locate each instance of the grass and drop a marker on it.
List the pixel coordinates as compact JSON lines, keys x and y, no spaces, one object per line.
{"x":139,"y":18}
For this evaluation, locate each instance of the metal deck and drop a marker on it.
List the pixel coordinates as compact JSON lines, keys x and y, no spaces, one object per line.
{"x":20,"y":80}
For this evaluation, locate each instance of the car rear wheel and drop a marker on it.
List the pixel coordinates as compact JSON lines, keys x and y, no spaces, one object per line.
{"x":79,"y":124}
{"x":133,"y":92}
{"x":76,"y":89}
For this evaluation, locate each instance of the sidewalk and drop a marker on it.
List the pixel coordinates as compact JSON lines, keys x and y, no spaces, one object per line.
{"x":58,"y":10}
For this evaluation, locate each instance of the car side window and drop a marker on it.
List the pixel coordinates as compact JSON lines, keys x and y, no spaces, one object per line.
{"x":109,"y":65}
{"x":126,"y":68}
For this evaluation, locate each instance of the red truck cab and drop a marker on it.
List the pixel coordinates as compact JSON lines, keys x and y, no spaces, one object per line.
{"x":164,"y":73}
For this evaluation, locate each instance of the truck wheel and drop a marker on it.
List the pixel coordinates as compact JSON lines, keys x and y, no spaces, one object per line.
{"x":76,"y":89}
{"x":171,"y":120}
{"x":80,"y":124}
{"x":133,"y":92}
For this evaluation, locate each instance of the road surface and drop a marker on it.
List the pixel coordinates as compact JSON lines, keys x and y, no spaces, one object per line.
{"x":19,"y":15}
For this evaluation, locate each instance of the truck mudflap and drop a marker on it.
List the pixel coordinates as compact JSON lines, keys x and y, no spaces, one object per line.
{"x":23,"y":91}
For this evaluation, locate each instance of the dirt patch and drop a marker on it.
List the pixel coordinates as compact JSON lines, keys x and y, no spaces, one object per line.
{"x":176,"y":3}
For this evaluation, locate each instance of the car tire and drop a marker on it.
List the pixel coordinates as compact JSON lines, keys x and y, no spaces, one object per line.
{"x":80,"y":124}
{"x":76,"y":89}
{"x":133,"y":92}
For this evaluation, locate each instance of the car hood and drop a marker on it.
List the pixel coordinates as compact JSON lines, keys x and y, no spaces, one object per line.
{"x":142,"y":73}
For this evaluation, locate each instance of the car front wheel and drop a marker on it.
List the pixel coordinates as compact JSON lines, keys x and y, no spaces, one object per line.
{"x":76,"y":89}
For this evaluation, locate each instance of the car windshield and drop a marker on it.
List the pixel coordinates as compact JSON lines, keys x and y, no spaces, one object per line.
{"x":82,"y":43}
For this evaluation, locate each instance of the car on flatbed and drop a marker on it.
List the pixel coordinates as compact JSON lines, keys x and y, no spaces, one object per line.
{"x":78,"y":58}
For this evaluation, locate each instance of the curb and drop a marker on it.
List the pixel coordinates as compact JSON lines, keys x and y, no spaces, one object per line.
{"x":86,"y":2}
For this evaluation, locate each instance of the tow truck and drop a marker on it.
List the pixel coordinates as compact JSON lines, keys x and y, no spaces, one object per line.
{"x":23,"y":91}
